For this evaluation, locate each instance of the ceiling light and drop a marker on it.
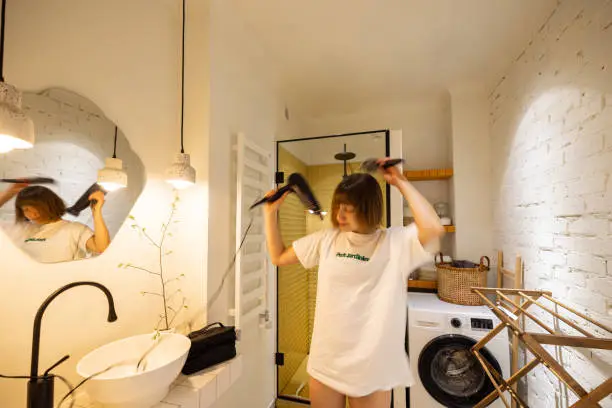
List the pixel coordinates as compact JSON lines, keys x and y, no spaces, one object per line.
{"x":180,"y":173}
{"x":112,"y":177}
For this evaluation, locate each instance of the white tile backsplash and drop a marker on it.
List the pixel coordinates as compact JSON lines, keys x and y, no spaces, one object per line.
{"x":183,"y":397}
{"x":235,"y":369}
{"x":224,"y":380}
{"x":208,"y":395}
{"x":199,"y":390}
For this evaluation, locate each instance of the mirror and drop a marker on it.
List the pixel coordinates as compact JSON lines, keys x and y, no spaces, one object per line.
{"x":73,"y":139}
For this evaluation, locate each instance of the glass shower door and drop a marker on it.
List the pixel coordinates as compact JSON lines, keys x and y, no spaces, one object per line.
{"x":319,"y":160}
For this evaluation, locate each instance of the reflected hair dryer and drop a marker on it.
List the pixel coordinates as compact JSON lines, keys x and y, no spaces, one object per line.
{"x":83,"y":202}
{"x":371,"y":165}
{"x":28,"y":180}
{"x":296,"y":183}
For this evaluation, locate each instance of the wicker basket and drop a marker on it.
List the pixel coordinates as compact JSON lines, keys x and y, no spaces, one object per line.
{"x":455,"y":283}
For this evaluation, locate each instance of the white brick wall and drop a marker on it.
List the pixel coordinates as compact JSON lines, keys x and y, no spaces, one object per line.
{"x":551,"y":133}
{"x":73,"y":137}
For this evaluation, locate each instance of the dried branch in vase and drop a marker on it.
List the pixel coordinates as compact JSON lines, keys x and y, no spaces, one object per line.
{"x":172,"y":298}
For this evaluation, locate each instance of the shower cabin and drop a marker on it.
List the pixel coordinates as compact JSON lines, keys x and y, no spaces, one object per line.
{"x":323,"y":161}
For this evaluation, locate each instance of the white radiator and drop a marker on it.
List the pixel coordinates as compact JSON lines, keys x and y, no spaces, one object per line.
{"x":254,"y":171}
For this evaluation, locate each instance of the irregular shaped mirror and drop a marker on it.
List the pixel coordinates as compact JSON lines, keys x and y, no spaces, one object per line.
{"x":73,"y":141}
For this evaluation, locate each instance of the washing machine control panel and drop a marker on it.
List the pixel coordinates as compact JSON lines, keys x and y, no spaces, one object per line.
{"x":455,"y":322}
{"x":481,"y":324}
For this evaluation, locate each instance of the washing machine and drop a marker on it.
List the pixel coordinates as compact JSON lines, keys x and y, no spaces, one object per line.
{"x":440,"y":335}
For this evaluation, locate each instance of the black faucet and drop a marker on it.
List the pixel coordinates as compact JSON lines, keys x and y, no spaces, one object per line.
{"x":40,"y":388}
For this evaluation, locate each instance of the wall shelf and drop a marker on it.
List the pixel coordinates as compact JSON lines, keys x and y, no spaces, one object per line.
{"x":429,"y":174}
{"x":447,"y":228}
{"x":422,"y":284}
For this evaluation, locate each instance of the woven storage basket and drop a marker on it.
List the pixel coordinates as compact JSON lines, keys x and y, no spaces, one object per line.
{"x":455,"y":281}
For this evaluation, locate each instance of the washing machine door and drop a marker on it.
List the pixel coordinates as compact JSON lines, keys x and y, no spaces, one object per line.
{"x":451,"y":374}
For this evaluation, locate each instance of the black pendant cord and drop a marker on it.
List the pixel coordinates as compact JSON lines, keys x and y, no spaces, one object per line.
{"x":182,"y":80}
{"x":2,"y":18}
{"x":345,"y":160}
{"x":115,"y":144}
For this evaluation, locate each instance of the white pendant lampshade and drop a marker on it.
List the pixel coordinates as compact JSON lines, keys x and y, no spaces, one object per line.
{"x":180,"y":174}
{"x":16,"y":129}
{"x":112,"y":177}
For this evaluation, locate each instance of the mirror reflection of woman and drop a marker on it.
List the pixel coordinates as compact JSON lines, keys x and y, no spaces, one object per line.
{"x":41,"y":232}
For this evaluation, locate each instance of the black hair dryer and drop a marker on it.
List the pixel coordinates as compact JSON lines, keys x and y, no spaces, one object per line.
{"x":28,"y":180}
{"x":296,"y":183}
{"x":83,"y":202}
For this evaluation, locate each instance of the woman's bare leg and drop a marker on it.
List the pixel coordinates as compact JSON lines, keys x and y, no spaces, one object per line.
{"x":321,"y":396}
{"x":378,"y":399}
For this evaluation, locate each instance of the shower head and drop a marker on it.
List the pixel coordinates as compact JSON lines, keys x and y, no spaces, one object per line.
{"x":344,"y":156}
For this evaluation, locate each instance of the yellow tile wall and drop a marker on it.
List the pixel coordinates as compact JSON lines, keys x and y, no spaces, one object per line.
{"x":293,"y":329}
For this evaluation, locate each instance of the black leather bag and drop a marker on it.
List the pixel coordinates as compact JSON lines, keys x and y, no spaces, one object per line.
{"x":210,"y":346}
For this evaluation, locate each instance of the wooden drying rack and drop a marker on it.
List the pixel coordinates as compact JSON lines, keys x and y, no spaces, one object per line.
{"x":516,"y":278}
{"x":510,"y":312}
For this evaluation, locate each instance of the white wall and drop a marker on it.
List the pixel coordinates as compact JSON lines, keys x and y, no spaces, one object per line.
{"x":124,"y":56}
{"x":426,"y":127}
{"x":245,"y":100}
{"x":471,"y":206}
{"x":425,"y":123}
{"x":551,"y":139}
{"x":426,"y":137}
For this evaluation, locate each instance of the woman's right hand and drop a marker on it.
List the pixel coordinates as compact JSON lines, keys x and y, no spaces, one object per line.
{"x":272,"y":208}
{"x":12,"y":191}
{"x":15,"y":188}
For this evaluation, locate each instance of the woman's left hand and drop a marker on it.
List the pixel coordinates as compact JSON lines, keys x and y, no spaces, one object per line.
{"x":97,"y":199}
{"x":391,"y":174}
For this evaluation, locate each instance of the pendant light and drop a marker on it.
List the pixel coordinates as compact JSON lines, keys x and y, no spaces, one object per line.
{"x":16,"y":129}
{"x":112,"y":177}
{"x":180,"y":174}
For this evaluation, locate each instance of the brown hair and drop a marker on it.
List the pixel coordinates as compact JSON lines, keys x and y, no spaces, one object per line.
{"x":362,"y":191}
{"x":50,"y":206}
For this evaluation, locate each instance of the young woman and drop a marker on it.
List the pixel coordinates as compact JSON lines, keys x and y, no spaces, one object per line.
{"x":357,"y":349}
{"x":41,"y":232}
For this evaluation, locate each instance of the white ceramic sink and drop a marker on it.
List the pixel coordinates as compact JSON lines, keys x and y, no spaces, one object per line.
{"x":127,"y":384}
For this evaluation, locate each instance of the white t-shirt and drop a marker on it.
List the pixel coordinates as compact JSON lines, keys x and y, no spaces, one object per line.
{"x":350,"y":245}
{"x":360,"y":319}
{"x":58,"y":241}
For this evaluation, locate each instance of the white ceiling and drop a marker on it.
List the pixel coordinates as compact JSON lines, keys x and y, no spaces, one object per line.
{"x":339,"y":55}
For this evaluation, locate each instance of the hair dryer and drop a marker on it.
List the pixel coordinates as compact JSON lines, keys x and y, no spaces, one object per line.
{"x":371,"y":165}
{"x":83,"y":201}
{"x":28,"y":180}
{"x":296,"y":183}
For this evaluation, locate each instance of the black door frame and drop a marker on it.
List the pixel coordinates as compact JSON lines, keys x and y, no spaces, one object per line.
{"x":387,"y":134}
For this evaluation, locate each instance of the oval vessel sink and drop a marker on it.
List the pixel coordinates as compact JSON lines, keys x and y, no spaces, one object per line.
{"x":121,"y":382}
